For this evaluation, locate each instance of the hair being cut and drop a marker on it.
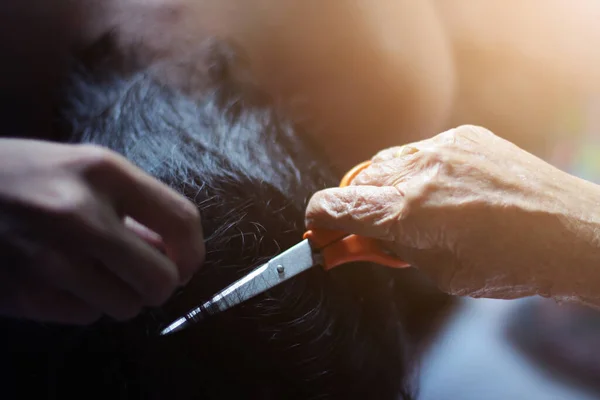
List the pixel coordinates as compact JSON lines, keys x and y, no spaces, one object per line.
{"x":323,"y":335}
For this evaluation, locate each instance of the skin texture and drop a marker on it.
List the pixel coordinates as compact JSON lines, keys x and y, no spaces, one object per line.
{"x":479,"y":215}
{"x":69,"y":256}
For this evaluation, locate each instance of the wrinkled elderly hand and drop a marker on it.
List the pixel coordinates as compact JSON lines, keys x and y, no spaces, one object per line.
{"x":476,"y":213}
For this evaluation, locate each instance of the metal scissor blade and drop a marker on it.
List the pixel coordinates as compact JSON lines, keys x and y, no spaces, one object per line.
{"x":279,"y":269}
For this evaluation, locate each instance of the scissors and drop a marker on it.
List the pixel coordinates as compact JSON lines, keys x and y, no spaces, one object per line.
{"x":320,"y":247}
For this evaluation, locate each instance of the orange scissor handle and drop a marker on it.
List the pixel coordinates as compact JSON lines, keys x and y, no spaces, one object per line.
{"x":350,"y":175}
{"x":339,"y":248}
{"x":350,"y":248}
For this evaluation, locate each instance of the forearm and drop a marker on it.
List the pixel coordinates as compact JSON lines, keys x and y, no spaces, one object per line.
{"x":574,"y":249}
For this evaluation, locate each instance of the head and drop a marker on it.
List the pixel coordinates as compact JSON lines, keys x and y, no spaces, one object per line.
{"x":338,"y":334}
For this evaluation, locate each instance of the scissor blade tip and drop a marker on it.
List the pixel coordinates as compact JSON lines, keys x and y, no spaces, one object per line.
{"x":174,"y":327}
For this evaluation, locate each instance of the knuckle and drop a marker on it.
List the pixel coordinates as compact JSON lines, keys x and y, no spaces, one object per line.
{"x":189,"y":218}
{"x":93,"y":158}
{"x":448,"y":137}
{"x":471,"y":132}
{"x":387,"y":154}
{"x":369,"y":176}
{"x":191,"y":214}
{"x":439,"y":164}
{"x":445,"y":169}
{"x":422,"y":194}
{"x":336,"y":205}
{"x":69,"y":200}
{"x":429,"y":158}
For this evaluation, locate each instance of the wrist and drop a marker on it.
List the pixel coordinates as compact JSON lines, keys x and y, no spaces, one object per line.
{"x":577,"y":262}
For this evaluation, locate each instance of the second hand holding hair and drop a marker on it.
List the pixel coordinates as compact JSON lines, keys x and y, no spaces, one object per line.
{"x":70,"y":253}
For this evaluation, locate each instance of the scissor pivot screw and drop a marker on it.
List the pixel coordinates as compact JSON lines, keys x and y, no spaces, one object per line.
{"x":280,"y":269}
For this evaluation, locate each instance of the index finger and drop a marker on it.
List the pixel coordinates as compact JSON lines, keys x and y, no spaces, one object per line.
{"x":156,"y":206}
{"x":370,"y":211}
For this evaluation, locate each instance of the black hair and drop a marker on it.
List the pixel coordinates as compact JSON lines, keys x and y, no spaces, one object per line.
{"x":323,"y":335}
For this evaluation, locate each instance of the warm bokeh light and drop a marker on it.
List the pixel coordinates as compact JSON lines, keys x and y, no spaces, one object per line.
{"x":528,"y":70}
